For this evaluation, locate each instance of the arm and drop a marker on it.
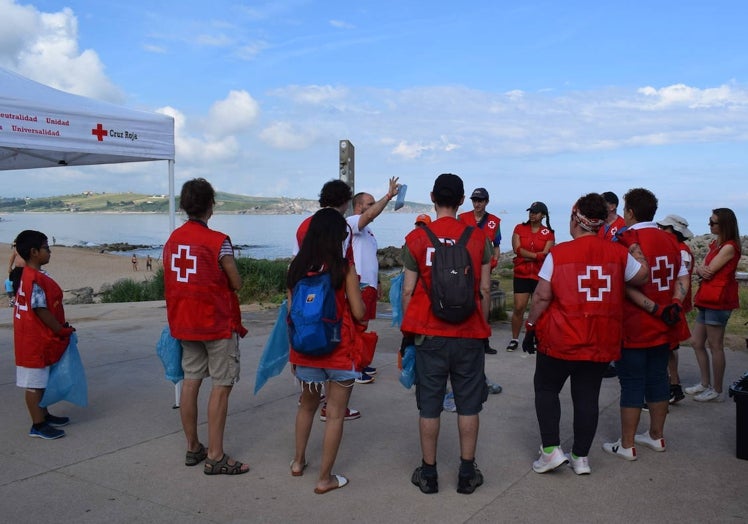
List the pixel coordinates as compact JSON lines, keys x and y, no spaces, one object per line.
{"x":228,"y":264}
{"x":707,"y":271}
{"x":48,"y":319}
{"x":410,"y":279}
{"x":353,"y":294}
{"x":541,"y":299}
{"x":485,"y":289}
{"x":375,"y":210}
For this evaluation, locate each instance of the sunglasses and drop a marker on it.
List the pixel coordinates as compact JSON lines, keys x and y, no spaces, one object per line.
{"x":713,"y":223}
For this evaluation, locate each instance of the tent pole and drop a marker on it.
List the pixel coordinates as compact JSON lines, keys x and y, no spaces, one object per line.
{"x":172,"y":205}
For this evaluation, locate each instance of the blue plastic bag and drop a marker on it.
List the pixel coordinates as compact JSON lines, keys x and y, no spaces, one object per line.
{"x":67,"y":378}
{"x":396,"y":299}
{"x":275,"y":353}
{"x":169,"y":350}
{"x":408,"y":374}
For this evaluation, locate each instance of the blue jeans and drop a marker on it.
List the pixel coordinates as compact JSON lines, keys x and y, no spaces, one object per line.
{"x":642,"y":373}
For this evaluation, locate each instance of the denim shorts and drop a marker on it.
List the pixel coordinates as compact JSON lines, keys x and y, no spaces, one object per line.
{"x":642,"y":373}
{"x":462,"y":361}
{"x":713,"y":317}
{"x":309,"y":375}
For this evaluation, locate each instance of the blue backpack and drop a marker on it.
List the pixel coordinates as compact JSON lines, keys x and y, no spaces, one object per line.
{"x":313,"y":320}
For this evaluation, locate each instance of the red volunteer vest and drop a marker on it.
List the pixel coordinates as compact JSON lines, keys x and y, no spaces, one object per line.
{"x":418,"y":319}
{"x":199,"y":303}
{"x":721,"y":291}
{"x":490,"y":227}
{"x":36,"y":346}
{"x":640,"y":328}
{"x":584,"y":319}
{"x":607,"y":232}
{"x":535,"y":242}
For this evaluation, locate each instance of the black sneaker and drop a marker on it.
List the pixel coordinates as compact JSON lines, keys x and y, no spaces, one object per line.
{"x":426,"y":484}
{"x":466,"y":485}
{"x":46,"y":432}
{"x":56,"y":422}
{"x":513,"y":345}
{"x":676,"y":393}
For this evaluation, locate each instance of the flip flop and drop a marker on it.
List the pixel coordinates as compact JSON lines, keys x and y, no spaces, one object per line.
{"x":298,"y":473}
{"x":193,"y":458}
{"x":342,"y":481}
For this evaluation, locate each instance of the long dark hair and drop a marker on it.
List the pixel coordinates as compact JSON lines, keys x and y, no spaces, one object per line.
{"x":728,"y":225}
{"x":321,"y":249}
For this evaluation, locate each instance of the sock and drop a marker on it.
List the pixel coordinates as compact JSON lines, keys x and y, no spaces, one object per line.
{"x":429,"y":470}
{"x":574,"y":456}
{"x":549,"y":449}
{"x":467,"y":467}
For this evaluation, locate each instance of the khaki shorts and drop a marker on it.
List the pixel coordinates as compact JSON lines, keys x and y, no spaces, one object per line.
{"x":217,"y":359}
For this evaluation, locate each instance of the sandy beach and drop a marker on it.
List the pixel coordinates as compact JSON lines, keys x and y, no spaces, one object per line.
{"x":75,"y":268}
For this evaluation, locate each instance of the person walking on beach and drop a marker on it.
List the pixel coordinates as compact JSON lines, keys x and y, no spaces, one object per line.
{"x":15,"y":267}
{"x":446,"y":350}
{"x":364,"y":244}
{"x":715,"y":299}
{"x":200,"y":284}
{"x":576,"y":321}
{"x":491,"y":226}
{"x":134,"y":261}
{"x":40,"y":333}
{"x":335,"y":371}
{"x":148,"y":263}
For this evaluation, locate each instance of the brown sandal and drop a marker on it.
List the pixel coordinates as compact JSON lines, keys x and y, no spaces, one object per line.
{"x":194,"y":458}
{"x":222,"y":467}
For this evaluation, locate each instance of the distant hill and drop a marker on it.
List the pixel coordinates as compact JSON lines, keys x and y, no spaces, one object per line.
{"x":137,"y":203}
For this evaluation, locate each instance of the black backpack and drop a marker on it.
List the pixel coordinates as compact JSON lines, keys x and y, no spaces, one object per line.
{"x":452,"y":279}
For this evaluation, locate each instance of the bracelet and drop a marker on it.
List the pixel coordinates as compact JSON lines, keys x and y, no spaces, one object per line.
{"x":529,"y":325}
{"x":654,"y":309}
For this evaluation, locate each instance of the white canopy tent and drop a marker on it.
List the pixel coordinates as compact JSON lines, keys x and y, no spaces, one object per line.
{"x":44,"y":127}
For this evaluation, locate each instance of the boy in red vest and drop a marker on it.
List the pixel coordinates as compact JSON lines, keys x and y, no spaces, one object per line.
{"x":40,"y":332}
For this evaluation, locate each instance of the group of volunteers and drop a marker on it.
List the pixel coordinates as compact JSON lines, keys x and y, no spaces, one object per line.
{"x":618,"y":292}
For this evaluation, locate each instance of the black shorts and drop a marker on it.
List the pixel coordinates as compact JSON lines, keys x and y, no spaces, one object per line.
{"x":525,"y":285}
{"x":461,"y":360}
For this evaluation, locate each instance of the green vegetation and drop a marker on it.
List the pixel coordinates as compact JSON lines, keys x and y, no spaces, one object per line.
{"x":127,"y":290}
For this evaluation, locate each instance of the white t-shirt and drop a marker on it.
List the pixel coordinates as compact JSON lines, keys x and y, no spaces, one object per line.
{"x":364,"y":252}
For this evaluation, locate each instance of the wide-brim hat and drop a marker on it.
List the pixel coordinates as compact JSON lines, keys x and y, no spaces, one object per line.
{"x":678,"y":223}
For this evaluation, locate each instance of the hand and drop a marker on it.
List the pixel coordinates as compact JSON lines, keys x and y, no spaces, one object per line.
{"x":530,"y":342}
{"x":540,"y":257}
{"x":627,"y":237}
{"x":65,"y":332}
{"x":394,"y":187}
{"x":406,"y":341}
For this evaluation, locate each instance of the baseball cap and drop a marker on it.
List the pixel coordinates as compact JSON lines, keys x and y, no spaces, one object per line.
{"x":538,"y":207}
{"x":479,"y":194}
{"x":423,"y":218}
{"x":610,"y":197}
{"x":448,"y":185}
{"x":678,"y":223}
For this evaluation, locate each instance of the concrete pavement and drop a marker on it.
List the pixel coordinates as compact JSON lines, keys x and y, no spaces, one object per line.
{"x":123,"y":457}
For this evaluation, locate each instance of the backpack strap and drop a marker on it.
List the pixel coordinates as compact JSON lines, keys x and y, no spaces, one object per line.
{"x":465,"y":237}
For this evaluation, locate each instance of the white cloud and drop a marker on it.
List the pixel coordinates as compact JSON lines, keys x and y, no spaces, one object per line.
{"x":234,"y":114}
{"x":340,"y":24}
{"x":251,"y":50}
{"x":313,"y":94}
{"x":284,"y":135}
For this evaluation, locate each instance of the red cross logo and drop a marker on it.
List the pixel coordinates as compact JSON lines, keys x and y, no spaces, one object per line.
{"x":492,"y":224}
{"x":99,"y":132}
{"x":183,"y":264}
{"x":663,"y":273}
{"x":594,"y":285}
{"x":21,"y":303}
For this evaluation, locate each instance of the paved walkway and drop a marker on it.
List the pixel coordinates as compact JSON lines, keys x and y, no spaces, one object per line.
{"x":122,"y":458}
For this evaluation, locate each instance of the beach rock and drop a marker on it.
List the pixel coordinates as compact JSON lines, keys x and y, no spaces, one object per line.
{"x":389,"y":257}
{"x":84,"y":295}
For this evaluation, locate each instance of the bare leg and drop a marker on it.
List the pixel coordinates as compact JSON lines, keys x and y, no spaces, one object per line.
{"x":698,"y":340}
{"x":310,"y":396}
{"x":716,"y":337}
{"x":629,"y":423}
{"x":657,"y":415}
{"x":188,"y":412}
{"x":518,"y":314}
{"x":468,"y":428}
{"x":218,"y":406}
{"x":337,"y":402}
{"x":429,"y":430}
{"x":33,"y":397}
{"x":672,"y":368}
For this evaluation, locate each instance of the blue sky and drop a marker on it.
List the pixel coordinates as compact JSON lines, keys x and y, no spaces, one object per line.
{"x":532,"y":100}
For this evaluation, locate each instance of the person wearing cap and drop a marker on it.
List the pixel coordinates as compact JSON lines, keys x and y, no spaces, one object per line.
{"x":423,"y":220}
{"x":575,"y":324}
{"x":613,"y":222}
{"x":715,"y":299}
{"x":531,"y":242}
{"x":446,"y":350}
{"x":646,"y":343}
{"x":491,"y":226}
{"x":365,"y":210}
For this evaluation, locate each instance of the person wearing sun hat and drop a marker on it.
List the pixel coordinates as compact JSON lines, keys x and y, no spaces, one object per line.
{"x":531,"y":242}
{"x":490,"y":224}
{"x":423,"y":220}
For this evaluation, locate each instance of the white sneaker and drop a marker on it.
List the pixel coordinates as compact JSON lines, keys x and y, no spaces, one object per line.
{"x":696,"y":388}
{"x":549,"y":461}
{"x":709,"y":395}
{"x":655,"y":444}
{"x":617,"y":449}
{"x":580,"y":465}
